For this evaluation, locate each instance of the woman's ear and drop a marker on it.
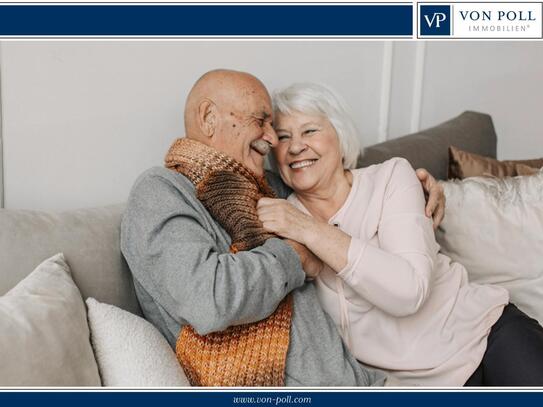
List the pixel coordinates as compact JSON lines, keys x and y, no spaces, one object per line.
{"x":207,"y":117}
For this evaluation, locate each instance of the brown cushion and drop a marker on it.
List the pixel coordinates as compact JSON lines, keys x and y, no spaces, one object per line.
{"x":463,"y":165}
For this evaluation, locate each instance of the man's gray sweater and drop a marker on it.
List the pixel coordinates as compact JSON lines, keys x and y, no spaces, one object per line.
{"x":184,"y":274}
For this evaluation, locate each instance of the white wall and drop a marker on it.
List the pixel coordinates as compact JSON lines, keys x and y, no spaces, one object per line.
{"x":81,"y":119}
{"x":504,"y":79}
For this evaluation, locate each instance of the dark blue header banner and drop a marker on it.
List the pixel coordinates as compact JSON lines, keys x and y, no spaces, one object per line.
{"x":266,"y":398}
{"x":230,"y":20}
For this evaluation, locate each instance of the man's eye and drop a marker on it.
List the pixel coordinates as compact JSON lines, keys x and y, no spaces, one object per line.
{"x":260,"y":122}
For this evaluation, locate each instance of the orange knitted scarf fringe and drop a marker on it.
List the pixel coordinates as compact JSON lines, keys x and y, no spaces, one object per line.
{"x":243,"y":355}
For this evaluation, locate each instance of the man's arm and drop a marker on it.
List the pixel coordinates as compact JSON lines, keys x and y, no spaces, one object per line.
{"x":176,"y":255}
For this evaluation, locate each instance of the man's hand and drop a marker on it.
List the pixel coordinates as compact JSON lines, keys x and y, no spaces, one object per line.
{"x":311,"y":264}
{"x":435,"y":205}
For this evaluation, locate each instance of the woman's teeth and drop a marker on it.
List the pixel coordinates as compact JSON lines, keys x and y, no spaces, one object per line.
{"x":302,"y":164}
{"x":261,"y":146}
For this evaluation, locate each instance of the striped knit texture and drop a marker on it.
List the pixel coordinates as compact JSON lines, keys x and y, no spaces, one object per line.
{"x":243,"y":355}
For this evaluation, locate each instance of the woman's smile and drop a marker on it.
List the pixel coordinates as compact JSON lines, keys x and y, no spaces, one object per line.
{"x":295,"y":165}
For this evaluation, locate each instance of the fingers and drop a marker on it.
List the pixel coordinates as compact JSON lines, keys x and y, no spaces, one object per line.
{"x":262,"y":202}
{"x":439,"y":214}
{"x":432,"y":204}
{"x":435,"y":207}
{"x":269,"y":216}
{"x":422,"y":174}
{"x":269,"y":208}
{"x":268,"y":227}
{"x":264,"y":215}
{"x":436,"y":199}
{"x":425,"y":179}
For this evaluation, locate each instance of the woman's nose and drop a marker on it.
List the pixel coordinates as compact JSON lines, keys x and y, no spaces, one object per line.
{"x":297,"y":147}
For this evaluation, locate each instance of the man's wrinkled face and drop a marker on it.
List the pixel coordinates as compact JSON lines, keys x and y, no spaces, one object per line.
{"x":245,"y":131}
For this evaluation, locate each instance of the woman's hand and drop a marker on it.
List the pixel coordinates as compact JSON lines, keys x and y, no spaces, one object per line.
{"x":435,"y":204}
{"x":327,"y":242}
{"x":311,"y":264}
{"x":282,"y":218}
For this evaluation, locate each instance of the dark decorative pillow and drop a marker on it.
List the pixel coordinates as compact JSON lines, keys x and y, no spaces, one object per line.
{"x":463,"y":165}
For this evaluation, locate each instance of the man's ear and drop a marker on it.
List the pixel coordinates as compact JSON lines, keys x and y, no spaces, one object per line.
{"x":208,"y":117}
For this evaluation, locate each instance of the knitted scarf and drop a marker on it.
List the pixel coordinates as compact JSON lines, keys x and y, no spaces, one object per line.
{"x":243,"y":355}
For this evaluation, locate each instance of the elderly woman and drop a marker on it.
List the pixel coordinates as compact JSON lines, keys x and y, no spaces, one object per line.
{"x":400,"y":305}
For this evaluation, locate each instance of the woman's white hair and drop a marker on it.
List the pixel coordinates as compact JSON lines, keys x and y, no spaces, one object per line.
{"x":315,"y":99}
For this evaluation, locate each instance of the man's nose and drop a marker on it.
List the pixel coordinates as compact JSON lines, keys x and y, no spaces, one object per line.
{"x":270,"y":136}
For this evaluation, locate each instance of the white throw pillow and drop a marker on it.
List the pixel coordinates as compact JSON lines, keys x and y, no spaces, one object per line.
{"x":494,"y":227}
{"x":44,"y":336}
{"x":130,"y":351}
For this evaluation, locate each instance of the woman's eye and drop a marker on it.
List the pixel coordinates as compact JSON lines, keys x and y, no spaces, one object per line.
{"x":282,"y":137}
{"x":310,"y":131}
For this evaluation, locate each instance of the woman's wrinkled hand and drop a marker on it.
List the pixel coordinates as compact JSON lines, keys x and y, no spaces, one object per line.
{"x":435,"y":204}
{"x":282,"y":218}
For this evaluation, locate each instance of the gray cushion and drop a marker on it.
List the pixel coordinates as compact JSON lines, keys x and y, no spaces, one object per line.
{"x":89,"y":238}
{"x":471,"y":131}
{"x":44,"y":338}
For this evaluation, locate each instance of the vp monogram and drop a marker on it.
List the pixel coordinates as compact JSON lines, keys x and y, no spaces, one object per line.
{"x":437,"y":18}
{"x":434,"y":19}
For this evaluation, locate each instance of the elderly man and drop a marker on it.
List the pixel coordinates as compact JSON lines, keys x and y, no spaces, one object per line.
{"x":233,"y":300}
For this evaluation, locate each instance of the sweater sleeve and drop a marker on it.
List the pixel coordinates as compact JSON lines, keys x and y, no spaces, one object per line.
{"x":396,"y":275}
{"x":173,"y":251}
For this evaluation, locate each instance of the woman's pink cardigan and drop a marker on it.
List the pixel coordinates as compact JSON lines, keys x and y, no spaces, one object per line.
{"x":400,"y":305}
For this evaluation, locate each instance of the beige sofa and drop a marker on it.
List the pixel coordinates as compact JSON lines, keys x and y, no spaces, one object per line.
{"x":89,"y":238}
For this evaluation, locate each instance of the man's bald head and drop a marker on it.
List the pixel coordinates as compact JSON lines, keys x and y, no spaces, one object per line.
{"x":231,"y":112}
{"x":225,"y":88}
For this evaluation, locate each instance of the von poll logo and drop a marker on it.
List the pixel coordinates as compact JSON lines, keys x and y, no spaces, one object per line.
{"x":473,"y":20}
{"x":435,"y":19}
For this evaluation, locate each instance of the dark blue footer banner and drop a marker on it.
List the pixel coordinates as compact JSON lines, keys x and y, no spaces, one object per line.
{"x":301,"y":398}
{"x":206,"y":20}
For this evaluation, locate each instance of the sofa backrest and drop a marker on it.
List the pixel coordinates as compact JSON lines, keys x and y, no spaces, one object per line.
{"x":471,"y":131}
{"x":89,"y":239}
